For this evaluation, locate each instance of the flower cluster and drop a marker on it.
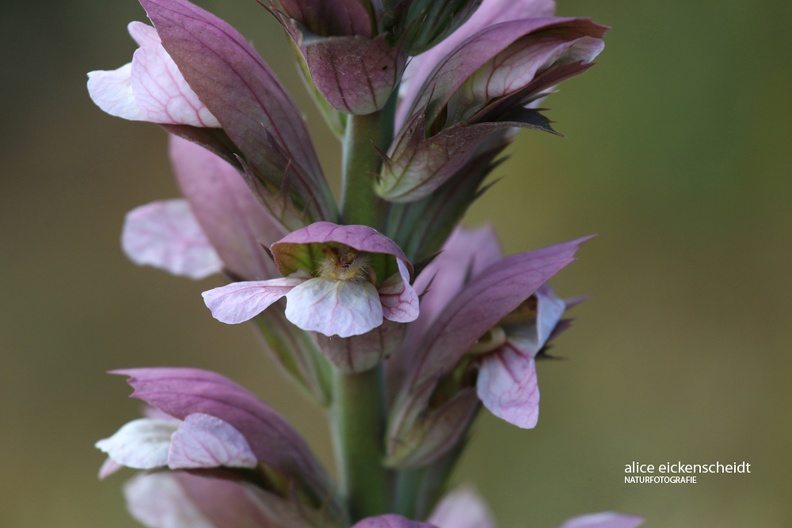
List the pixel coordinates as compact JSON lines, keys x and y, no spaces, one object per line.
{"x":382,"y":307}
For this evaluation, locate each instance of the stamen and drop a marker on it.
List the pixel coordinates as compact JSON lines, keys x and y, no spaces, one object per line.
{"x":343,"y":264}
{"x":491,"y":341}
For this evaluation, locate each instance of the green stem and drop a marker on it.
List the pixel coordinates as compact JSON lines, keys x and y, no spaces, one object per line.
{"x":408,"y":485}
{"x":358,"y":414}
{"x":361,"y":166}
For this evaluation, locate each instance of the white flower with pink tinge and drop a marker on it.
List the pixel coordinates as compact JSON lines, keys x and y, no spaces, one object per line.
{"x":329,"y":283}
{"x":150,"y":88}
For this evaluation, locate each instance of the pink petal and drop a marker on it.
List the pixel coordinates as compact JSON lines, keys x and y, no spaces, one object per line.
{"x":204,"y":441}
{"x":166,"y":235}
{"x":163,"y":94}
{"x":260,"y":118}
{"x":399,"y":299}
{"x":233,"y":219}
{"x":604,"y":520}
{"x":506,"y":385}
{"x":334,"y":307}
{"x":485,"y":300}
{"x":489,"y":12}
{"x":462,"y":508}
{"x":392,"y":521}
{"x":241,"y":301}
{"x":112,"y":92}
{"x":514,"y":68}
{"x":181,"y":499}
{"x":151,"y":88}
{"x":181,"y":392}
{"x":159,"y":501}
{"x":292,"y":250}
{"x":140,"y":444}
{"x":109,"y":467}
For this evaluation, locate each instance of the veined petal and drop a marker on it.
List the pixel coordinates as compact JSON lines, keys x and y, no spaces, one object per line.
{"x":150,"y":88}
{"x":490,"y":12}
{"x":181,"y":392}
{"x":203,"y":441}
{"x":399,"y":299}
{"x":166,"y":235}
{"x":293,"y":251}
{"x":489,"y":297}
{"x":261,"y":119}
{"x":604,"y":520}
{"x":506,"y":385}
{"x":181,"y":499}
{"x":462,"y":508}
{"x":241,"y":301}
{"x":355,"y":74}
{"x":140,"y":444}
{"x":334,"y":307}
{"x":391,"y":521}
{"x":466,"y":59}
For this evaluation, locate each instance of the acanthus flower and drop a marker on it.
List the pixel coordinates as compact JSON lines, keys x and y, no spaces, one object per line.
{"x":331,"y":281}
{"x":150,"y":88}
{"x":187,"y":65}
{"x":203,"y":421}
{"x":479,"y":81}
{"x":483,"y":314}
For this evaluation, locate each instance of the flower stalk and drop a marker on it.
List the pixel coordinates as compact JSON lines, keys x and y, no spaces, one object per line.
{"x":357,"y":414}
{"x":365,"y":138}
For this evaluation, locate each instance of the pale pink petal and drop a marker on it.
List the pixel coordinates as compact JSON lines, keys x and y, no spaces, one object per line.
{"x":163,"y":94}
{"x":549,"y":311}
{"x":392,"y":521}
{"x":166,"y":235}
{"x":399,"y":299}
{"x":241,"y":301}
{"x":232,"y":217}
{"x":604,"y":520}
{"x":292,"y":250}
{"x":150,"y":88}
{"x":111,"y":90}
{"x":334,"y":307}
{"x":159,"y":501}
{"x":144,"y":34}
{"x":109,"y":467}
{"x":140,"y":444}
{"x":462,"y":508}
{"x":204,"y":441}
{"x":506,"y":385}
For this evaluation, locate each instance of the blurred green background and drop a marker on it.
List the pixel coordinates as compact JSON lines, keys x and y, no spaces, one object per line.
{"x":678,"y":154}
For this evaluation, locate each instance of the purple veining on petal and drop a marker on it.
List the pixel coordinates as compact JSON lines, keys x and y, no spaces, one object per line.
{"x":289,"y":255}
{"x":181,"y":392}
{"x":150,"y":88}
{"x":166,"y":235}
{"x":204,"y":441}
{"x":506,"y":385}
{"x":241,"y":301}
{"x":334,"y":307}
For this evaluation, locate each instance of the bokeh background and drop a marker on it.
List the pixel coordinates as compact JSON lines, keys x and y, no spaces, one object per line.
{"x":678,"y":154}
